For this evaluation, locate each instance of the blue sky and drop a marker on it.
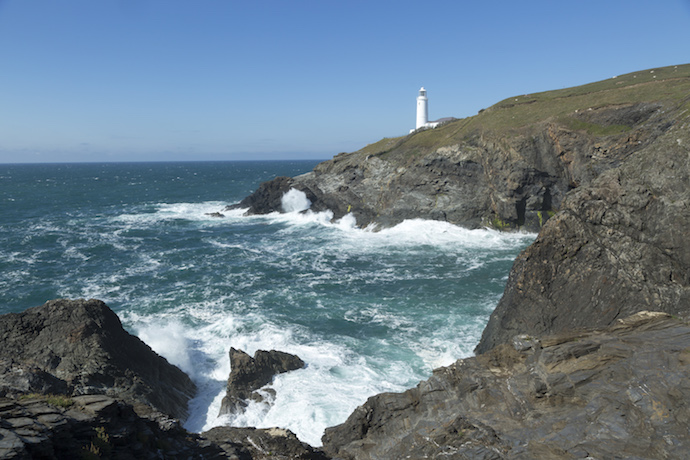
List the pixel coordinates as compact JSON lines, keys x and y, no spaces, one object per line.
{"x":157,"y":80}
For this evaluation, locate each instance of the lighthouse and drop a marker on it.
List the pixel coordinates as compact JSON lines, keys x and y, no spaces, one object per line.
{"x":423,"y":113}
{"x":422,"y":109}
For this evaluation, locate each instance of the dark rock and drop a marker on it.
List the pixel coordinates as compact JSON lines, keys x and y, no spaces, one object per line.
{"x":490,"y":178}
{"x":80,"y":347}
{"x":270,"y":443}
{"x":268,"y":197}
{"x":214,"y":214}
{"x":249,"y":374}
{"x":94,"y":426}
{"x":619,"y":245}
{"x":619,"y":392}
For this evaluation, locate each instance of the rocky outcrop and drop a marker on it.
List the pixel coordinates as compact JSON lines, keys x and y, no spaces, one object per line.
{"x":98,"y":426}
{"x":75,"y":384}
{"x":619,"y":392}
{"x":78,"y":347}
{"x":618,"y":246}
{"x":508,"y":167}
{"x":93,"y":427}
{"x":259,"y":444}
{"x":249,"y":374}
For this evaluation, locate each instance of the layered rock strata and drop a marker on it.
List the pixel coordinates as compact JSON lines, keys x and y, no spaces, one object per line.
{"x":247,"y":375}
{"x":77,"y":347}
{"x":98,"y":426}
{"x":508,"y":167}
{"x":484,"y":179}
{"x":618,"y":246}
{"x":619,"y":392}
{"x":93,"y":426}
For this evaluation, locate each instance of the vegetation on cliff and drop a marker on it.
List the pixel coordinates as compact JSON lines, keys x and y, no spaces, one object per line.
{"x":510,"y":166}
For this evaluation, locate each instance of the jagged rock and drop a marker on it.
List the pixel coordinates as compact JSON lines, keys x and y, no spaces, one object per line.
{"x":268,"y":197}
{"x":94,"y":426}
{"x":249,"y":374}
{"x":619,"y":392}
{"x":619,"y":245}
{"x":260,"y":444}
{"x":80,"y":347}
{"x":508,"y":181}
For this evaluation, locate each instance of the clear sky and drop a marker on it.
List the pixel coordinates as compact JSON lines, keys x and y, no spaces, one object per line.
{"x":156,"y":80}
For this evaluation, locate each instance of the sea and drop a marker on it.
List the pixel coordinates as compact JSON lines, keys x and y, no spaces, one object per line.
{"x":369,"y":310}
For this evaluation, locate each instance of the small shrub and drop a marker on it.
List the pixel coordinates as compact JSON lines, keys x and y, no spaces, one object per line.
{"x":100,"y":447}
{"x":59,"y":400}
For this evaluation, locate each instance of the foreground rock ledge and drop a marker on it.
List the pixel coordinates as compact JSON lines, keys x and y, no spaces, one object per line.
{"x":76,"y":347}
{"x":74,"y":384}
{"x":620,"y":392}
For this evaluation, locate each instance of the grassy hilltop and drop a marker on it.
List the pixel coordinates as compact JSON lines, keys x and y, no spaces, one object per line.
{"x":515,"y":115}
{"x":508,"y":167}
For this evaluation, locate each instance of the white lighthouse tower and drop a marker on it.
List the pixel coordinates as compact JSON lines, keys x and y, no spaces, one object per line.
{"x":422,"y":109}
{"x":423,"y":113}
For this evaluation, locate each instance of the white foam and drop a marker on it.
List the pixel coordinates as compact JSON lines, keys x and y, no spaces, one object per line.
{"x":411,"y":232}
{"x":160,"y":212}
{"x":295,"y":201}
{"x":342,"y":371}
{"x":169,"y":340}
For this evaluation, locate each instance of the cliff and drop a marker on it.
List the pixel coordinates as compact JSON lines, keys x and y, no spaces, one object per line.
{"x":510,"y":166}
{"x":571,"y":365}
{"x":620,"y":392}
{"x":618,"y":246}
{"x":602,"y":171}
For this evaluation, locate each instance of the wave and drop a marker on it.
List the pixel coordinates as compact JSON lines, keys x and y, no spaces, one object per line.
{"x":370,"y":310}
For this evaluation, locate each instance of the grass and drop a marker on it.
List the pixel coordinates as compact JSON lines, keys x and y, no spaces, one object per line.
{"x":100,"y":447}
{"x":593,"y":128}
{"x":518,"y":114}
{"x":54,"y":400}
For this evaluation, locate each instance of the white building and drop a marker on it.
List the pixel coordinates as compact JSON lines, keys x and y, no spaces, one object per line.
{"x":423,"y":113}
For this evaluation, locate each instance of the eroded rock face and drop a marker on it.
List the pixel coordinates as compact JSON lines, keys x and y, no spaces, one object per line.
{"x":249,"y":374}
{"x":619,"y":245}
{"x":79,"y":347}
{"x":482,"y":178}
{"x":620,"y":392}
{"x":93,"y":426}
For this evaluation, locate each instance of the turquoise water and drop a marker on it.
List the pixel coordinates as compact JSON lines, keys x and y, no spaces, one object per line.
{"x":368,"y":311}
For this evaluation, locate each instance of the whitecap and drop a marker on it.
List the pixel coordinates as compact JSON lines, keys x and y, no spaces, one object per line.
{"x":295,"y":201}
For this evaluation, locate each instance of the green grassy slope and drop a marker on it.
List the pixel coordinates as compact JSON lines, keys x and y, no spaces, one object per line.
{"x":670,"y":85}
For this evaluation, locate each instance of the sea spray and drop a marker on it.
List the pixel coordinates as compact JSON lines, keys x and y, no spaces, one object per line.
{"x":368,"y":311}
{"x":295,"y":201}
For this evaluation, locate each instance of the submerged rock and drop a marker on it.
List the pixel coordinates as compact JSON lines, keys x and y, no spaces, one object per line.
{"x":619,"y":392}
{"x":79,"y":347}
{"x":249,"y":374}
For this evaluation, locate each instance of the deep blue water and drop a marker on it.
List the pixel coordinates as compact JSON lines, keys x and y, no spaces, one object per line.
{"x":368,"y":311}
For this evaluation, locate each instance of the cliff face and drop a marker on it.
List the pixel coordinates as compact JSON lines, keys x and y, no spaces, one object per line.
{"x":614,"y":393}
{"x":603,"y":171}
{"x":618,"y":246}
{"x":508,"y":167}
